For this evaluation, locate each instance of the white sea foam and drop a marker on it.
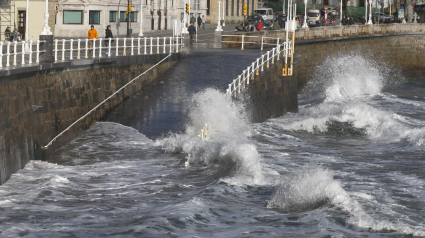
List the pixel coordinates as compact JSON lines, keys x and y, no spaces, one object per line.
{"x":313,"y":186}
{"x":227,"y":141}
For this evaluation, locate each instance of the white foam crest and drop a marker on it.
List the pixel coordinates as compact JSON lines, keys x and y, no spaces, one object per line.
{"x":313,"y":186}
{"x":227,"y":141}
{"x":40,"y":165}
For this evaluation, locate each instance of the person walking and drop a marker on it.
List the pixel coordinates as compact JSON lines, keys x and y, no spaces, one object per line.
{"x":92,"y":35}
{"x":203,"y":21}
{"x":192,"y":31}
{"x":193,"y":19}
{"x":108,"y":34}
{"x":199,"y":20}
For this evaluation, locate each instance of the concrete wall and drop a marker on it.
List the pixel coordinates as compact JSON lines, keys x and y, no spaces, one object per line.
{"x":273,"y":95}
{"x":65,"y":92}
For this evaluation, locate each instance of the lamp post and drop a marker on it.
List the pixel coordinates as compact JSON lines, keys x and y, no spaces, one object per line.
{"x":283,"y":7}
{"x":340,"y":15}
{"x":141,"y":19}
{"x":365,"y":13}
{"x":224,"y":24}
{"x":370,"y":13}
{"x":218,"y":22}
{"x":46,"y":27}
{"x":305,"y":15}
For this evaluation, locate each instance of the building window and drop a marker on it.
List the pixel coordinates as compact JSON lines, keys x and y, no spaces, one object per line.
{"x":133,"y":16}
{"x":208,"y":7}
{"x":72,"y":17}
{"x":94,"y":17}
{"x":237,"y":7}
{"x":227,"y":7}
{"x":233,"y":7}
{"x":112,"y":16}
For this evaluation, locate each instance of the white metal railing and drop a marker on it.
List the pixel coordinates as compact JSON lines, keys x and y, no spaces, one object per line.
{"x":79,"y":48}
{"x":245,"y":40}
{"x":19,"y":53}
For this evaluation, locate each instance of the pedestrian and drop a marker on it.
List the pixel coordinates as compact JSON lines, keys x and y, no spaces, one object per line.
{"x":192,"y":31}
{"x":259,"y":25}
{"x":199,"y":21}
{"x":92,"y":35}
{"x":108,"y":34}
{"x":203,"y":21}
{"x":350,"y":21}
{"x":275,"y":25}
{"x":193,"y":19}
{"x":7,"y":33}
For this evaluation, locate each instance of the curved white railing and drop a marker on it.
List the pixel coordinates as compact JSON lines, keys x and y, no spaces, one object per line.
{"x":245,"y":40}
{"x":19,"y":52}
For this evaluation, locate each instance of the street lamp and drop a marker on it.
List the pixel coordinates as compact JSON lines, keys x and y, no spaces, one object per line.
{"x":218,"y":22}
{"x":305,"y":15}
{"x":141,"y":19}
{"x":224,"y":24}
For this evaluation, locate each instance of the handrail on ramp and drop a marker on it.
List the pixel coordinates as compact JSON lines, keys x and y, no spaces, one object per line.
{"x":50,"y":143}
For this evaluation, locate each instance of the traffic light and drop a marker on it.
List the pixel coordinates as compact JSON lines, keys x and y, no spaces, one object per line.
{"x":187,"y":7}
{"x":128,"y":10}
{"x":244,"y":10}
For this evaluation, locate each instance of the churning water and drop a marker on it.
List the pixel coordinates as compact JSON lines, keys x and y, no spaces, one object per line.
{"x":349,"y":164}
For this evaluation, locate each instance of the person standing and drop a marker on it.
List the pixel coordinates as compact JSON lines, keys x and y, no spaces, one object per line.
{"x":108,"y":34}
{"x":259,"y":25}
{"x":192,"y":31}
{"x":203,"y":21}
{"x":92,"y":35}
{"x":7,"y":33}
{"x":199,"y":20}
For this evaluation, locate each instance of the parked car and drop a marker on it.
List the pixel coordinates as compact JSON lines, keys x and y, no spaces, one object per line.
{"x":281,"y":17}
{"x":382,"y":17}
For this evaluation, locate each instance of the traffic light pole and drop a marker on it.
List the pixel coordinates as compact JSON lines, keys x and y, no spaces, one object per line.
{"x":128,"y":18}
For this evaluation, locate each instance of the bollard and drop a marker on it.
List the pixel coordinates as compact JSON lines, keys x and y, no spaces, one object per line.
{"x":56,"y":50}
{"x":71,"y":49}
{"x":14,"y":52}
{"x":63,"y":50}
{"x":124,"y":46}
{"x":138,"y":45}
{"x":243,"y":36}
{"x":23,"y":52}
{"x":132,"y":53}
{"x":145,"y":45}
{"x":8,"y":54}
{"x":38,"y":52}
{"x":78,"y":50}
{"x":87,"y":46}
{"x":157,"y":45}
{"x":165,"y":43}
{"x":30,"y":59}
{"x":100,"y":47}
{"x":117,"y":48}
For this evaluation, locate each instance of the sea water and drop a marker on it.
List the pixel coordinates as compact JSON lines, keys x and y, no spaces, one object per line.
{"x":350,"y":163}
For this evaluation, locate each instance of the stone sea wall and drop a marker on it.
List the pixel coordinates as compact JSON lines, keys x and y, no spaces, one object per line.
{"x":36,"y":106}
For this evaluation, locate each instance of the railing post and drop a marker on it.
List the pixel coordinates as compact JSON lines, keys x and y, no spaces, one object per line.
{"x":37,"y":58}
{"x":100,"y":47}
{"x":124,"y":46}
{"x":157,"y":45}
{"x":138,"y":45}
{"x":278,"y":49}
{"x":78,"y":48}
{"x":252,"y":73}
{"x":1,"y":54}
{"x":262,"y":41}
{"x":109,"y":47}
{"x":262,"y":63}
{"x":63,"y":50}
{"x":23,"y":52}
{"x":132,"y":46}
{"x":15,"y":44}
{"x":171,"y":45}
{"x":71,"y":49}
{"x":87,"y":46}
{"x":239,"y":84}
{"x":234,"y":86}
{"x":145,"y":45}
{"x":247,"y":76}
{"x":30,"y":57}
{"x":94,"y":47}
{"x":243,"y":37}
{"x":165,"y":44}
{"x":151,"y":44}
{"x":273,"y":52}
{"x":177,"y":44}
{"x":8,"y":55}
{"x":258,"y":66}
{"x":243,"y":79}
{"x":116,"y":50}
{"x":268,"y":58}
{"x":56,"y":50}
